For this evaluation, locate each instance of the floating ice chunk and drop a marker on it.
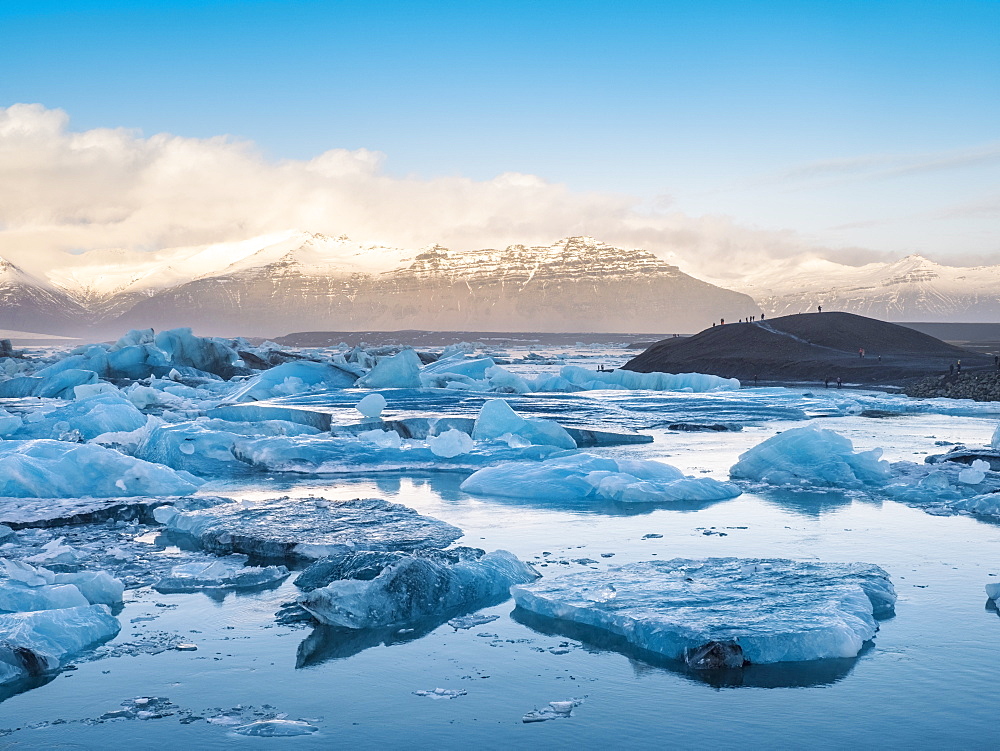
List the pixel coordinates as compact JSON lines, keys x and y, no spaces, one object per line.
{"x":414,"y":587}
{"x":308,"y":528}
{"x":458,"y":365}
{"x":372,"y":405}
{"x":39,"y":641}
{"x":84,"y":420}
{"x":220,"y":574}
{"x":31,"y":588}
{"x":811,"y":456}
{"x":54,"y":469}
{"x":442,"y":693}
{"x":275,"y":728}
{"x":465,"y":622}
{"x":974,"y":474}
{"x":8,"y":423}
{"x":993,"y":591}
{"x":399,"y":371}
{"x":19,"y":597}
{"x":773,"y":610}
{"x":210,"y":355}
{"x":55,"y":551}
{"x":293,"y":378}
{"x":556,"y":710}
{"x":384,"y":439}
{"x":450,"y":443}
{"x":496,"y":419}
{"x":627,"y":379}
{"x":587,"y":476}
{"x":88,"y":390}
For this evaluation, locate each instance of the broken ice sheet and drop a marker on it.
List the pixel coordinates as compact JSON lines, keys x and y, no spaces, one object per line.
{"x":556,"y":710}
{"x":772,"y":610}
{"x":442,"y":693}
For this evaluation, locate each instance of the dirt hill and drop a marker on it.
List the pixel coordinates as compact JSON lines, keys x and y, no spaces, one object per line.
{"x":810,"y":347}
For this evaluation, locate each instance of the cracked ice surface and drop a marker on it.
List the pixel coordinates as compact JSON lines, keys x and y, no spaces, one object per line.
{"x":775,"y":610}
{"x":307,"y":528}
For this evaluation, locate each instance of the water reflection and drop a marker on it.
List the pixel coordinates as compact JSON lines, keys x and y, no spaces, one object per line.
{"x":776,"y":675}
{"x":812,"y":503}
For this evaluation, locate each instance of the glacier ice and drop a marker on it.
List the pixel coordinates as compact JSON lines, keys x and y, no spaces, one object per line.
{"x":372,"y":405}
{"x":496,"y":418}
{"x":811,"y":456}
{"x":37,"y":642}
{"x":307,"y":528}
{"x":27,"y":587}
{"x":773,"y":610}
{"x":275,"y":728}
{"x":9,"y":423}
{"x":408,"y":588}
{"x":83,"y":420}
{"x":230,"y":572}
{"x":293,"y":378}
{"x":627,"y":379}
{"x":587,"y":476}
{"x":975,"y":473}
{"x":55,"y":469}
{"x":450,"y":443}
{"x":401,"y":371}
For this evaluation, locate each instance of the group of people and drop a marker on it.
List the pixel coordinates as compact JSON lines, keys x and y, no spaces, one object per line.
{"x":748,"y":319}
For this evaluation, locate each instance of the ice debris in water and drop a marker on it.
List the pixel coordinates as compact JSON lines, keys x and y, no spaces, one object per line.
{"x":275,"y":729}
{"x":226,"y":573}
{"x":40,"y":641}
{"x":450,"y":443}
{"x":811,"y":456}
{"x":308,"y":528}
{"x":497,"y":419}
{"x":556,"y":710}
{"x":974,"y":474}
{"x":466,"y":622}
{"x":378,"y":590}
{"x":372,"y":405}
{"x":442,"y":693}
{"x":27,"y":588}
{"x":587,"y":476}
{"x":56,"y":469}
{"x":627,"y":379}
{"x":83,"y":420}
{"x":770,"y":610}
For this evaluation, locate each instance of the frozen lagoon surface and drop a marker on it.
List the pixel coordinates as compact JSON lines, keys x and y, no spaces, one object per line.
{"x":191,"y":668}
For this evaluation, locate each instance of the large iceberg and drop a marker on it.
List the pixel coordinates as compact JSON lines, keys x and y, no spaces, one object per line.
{"x":375,"y":590}
{"x":308,"y":528}
{"x":59,"y":385}
{"x":811,"y":456}
{"x":401,"y":371}
{"x":38,"y":642}
{"x":627,"y":379}
{"x":56,"y":469}
{"x":743,"y":610}
{"x":587,"y":476}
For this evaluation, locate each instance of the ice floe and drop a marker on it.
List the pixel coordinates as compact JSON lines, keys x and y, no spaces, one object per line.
{"x":772,"y":610}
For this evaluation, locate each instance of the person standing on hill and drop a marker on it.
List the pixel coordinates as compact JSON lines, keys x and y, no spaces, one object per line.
{"x":819,"y":308}
{"x":958,"y":367}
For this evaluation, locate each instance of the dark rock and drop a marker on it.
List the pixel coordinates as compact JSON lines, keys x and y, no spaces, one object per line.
{"x":715,"y":655}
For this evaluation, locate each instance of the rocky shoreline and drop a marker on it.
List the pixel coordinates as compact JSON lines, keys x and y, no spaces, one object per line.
{"x":980,"y":386}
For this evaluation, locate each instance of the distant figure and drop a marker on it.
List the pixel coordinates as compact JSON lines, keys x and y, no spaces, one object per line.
{"x":762,"y":316}
{"x":840,"y":382}
{"x":819,"y":308}
{"x":996,"y":361}
{"x":958,"y":367}
{"x":951,"y":369}
{"x":861,"y":352}
{"x":722,"y":321}
{"x":880,"y":358}
{"x":754,"y":379}
{"x":826,"y":382}
{"x":713,"y":324}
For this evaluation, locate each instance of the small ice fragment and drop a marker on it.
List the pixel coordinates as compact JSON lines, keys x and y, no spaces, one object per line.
{"x":993,"y":591}
{"x":451,"y":443}
{"x":974,"y":474}
{"x":186,"y":647}
{"x":471,"y":621}
{"x":556,"y":710}
{"x":442,"y":693}
{"x":275,"y":729}
{"x":372,"y":405}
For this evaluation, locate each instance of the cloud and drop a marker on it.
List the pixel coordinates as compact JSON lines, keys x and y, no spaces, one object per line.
{"x":63,"y":191}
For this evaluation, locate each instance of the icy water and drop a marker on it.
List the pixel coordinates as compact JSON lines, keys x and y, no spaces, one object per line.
{"x":927,"y":680}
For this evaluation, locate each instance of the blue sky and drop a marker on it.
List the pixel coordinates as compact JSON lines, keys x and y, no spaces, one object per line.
{"x":871,"y":124}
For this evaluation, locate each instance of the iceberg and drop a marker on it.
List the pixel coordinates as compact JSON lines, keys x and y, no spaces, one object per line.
{"x":226,"y":573}
{"x":372,"y":405}
{"x":376,"y":591}
{"x":38,"y":642}
{"x":29,"y":588}
{"x":589,"y":477}
{"x":755,"y":610}
{"x":83,"y":420}
{"x":400,"y":371}
{"x":497,"y":419}
{"x":293,"y":378}
{"x":811,"y":456}
{"x":627,"y":379}
{"x":450,"y":443}
{"x":56,"y":469}
{"x":307,"y":528}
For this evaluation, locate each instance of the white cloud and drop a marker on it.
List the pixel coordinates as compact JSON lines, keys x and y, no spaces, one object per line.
{"x":113,"y":188}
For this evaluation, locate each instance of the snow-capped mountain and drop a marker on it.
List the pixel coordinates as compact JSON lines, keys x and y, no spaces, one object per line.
{"x":28,"y":303}
{"x":912,"y":289}
{"x":576,"y":284}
